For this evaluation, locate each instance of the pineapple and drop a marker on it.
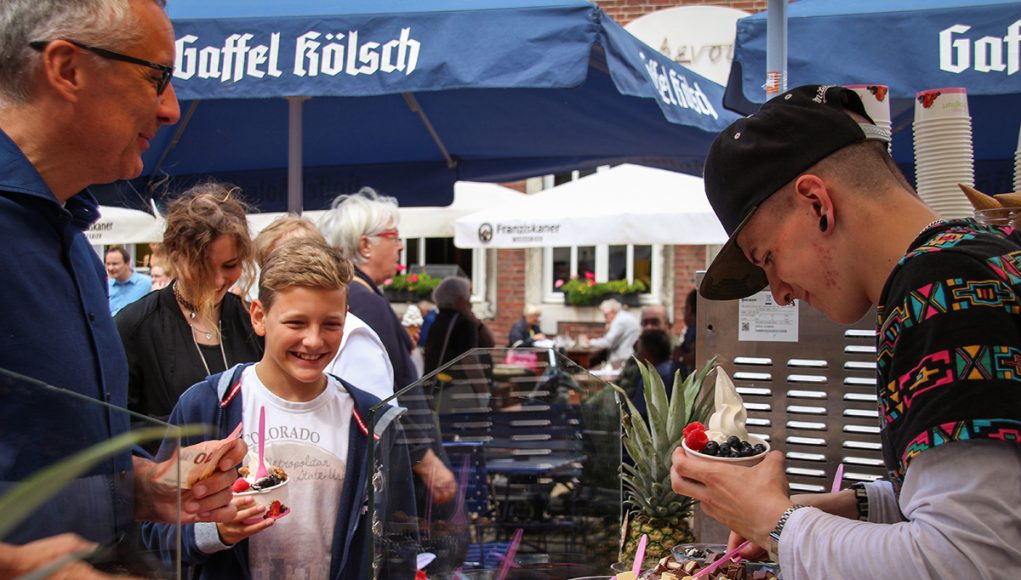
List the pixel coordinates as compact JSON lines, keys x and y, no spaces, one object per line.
{"x":654,"y":508}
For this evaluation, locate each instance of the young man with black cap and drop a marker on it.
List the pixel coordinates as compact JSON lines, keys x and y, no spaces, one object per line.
{"x":817,"y":211}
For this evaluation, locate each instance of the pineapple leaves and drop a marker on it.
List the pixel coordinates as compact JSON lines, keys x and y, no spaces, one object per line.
{"x":651,"y":441}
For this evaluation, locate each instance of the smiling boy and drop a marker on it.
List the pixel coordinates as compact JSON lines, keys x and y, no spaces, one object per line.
{"x":316,"y":430}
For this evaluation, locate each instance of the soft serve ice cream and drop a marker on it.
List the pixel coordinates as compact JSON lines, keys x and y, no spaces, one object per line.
{"x":730,"y":416}
{"x":727,"y":437}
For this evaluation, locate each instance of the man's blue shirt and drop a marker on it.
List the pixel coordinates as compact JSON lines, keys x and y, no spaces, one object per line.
{"x":57,"y":329}
{"x":126,"y":292}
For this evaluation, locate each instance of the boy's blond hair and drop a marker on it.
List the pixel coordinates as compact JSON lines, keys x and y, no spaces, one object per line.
{"x":305,"y":262}
{"x":283,"y":228}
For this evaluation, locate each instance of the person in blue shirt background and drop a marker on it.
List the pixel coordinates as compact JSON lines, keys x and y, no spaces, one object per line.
{"x":124,"y":284}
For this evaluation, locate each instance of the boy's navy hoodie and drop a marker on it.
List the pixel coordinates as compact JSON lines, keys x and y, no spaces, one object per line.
{"x":217,"y":401}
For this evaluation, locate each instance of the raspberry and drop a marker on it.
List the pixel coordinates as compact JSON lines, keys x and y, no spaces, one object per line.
{"x":696,"y":440}
{"x":240,"y":485}
{"x":693,"y":426}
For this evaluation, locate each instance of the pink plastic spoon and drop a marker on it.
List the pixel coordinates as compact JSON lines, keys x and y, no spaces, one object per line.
{"x":636,"y":568}
{"x":838,"y":479}
{"x":261,"y":471}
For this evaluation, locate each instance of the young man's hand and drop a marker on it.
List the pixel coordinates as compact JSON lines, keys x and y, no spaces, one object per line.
{"x":208,"y":500}
{"x":748,"y":500}
{"x":236,"y":530}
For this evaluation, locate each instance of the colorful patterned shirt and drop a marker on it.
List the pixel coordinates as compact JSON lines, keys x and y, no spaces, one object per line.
{"x":949,"y":342}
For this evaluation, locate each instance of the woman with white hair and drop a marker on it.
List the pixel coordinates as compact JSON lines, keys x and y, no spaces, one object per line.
{"x":364,"y":226}
{"x":526,"y":330}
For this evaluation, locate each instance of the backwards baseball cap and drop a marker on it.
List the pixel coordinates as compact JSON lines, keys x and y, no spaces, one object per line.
{"x":759,"y":154}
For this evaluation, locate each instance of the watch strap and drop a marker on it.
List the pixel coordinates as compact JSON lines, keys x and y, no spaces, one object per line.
{"x":774,"y":536}
{"x":861,"y":500}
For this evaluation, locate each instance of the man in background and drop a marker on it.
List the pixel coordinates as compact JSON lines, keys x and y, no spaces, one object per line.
{"x":654,"y":317}
{"x":622,"y":330}
{"x":123,"y":283}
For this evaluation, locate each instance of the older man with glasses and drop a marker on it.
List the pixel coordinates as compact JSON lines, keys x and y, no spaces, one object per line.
{"x":84,"y":87}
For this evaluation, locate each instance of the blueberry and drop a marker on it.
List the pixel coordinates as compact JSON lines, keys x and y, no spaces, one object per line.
{"x":711,"y":448}
{"x":759,"y":448}
{"x":733,"y":441}
{"x":724,"y":449}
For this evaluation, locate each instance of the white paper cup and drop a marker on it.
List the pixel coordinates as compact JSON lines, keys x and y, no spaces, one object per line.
{"x":941,"y":103}
{"x":946,"y":170}
{"x":266,"y":497}
{"x":742,"y":461}
{"x":876,"y":100}
{"x":948,"y":149}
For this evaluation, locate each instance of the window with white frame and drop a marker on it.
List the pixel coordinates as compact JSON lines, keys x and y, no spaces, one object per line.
{"x":602,"y":263}
{"x":423,"y":251}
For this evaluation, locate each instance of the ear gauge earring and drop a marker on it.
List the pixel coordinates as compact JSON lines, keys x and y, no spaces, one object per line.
{"x":824,"y":223}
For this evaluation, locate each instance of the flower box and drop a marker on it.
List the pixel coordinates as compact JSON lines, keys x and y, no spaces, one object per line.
{"x":410,"y":287}
{"x":588,"y":292}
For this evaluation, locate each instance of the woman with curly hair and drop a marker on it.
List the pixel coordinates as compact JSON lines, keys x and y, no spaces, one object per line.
{"x":194,"y":327}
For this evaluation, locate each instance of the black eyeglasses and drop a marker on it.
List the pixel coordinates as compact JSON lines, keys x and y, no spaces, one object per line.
{"x":166,"y":71}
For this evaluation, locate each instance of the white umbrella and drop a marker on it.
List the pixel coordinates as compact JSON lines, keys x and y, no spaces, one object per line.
{"x":119,"y":226}
{"x":424,"y":222}
{"x":628,"y":204}
{"x":469,"y":197}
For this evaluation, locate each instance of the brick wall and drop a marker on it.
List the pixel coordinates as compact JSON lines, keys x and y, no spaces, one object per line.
{"x":624,"y":11}
{"x":510,"y":286}
{"x":510,"y":293}
{"x":687,"y":261}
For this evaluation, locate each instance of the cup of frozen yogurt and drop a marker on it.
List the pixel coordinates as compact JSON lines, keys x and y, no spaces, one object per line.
{"x":726,"y":438}
{"x":270,"y":491}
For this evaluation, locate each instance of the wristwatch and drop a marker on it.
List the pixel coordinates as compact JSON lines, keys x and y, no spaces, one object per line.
{"x":861,"y":500}
{"x":774,"y":536}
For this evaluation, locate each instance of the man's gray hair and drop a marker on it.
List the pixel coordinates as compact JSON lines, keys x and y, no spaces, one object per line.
{"x":352,"y":216}
{"x":610,"y":305}
{"x":104,"y":23}
{"x":450,"y":290}
{"x":531,"y":310}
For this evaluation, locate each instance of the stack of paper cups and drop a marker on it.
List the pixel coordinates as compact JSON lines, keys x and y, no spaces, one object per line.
{"x":943,"y":150}
{"x":877,"y":105}
{"x":1017,"y":163}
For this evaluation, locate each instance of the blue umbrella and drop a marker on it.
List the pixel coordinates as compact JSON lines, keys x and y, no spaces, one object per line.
{"x":409,"y":97}
{"x":908,"y":45}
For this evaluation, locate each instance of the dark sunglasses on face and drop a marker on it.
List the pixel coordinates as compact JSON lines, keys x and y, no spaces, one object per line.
{"x":165,"y":71}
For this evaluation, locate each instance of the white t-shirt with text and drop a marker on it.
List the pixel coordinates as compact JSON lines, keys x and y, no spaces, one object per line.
{"x":309,"y":441}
